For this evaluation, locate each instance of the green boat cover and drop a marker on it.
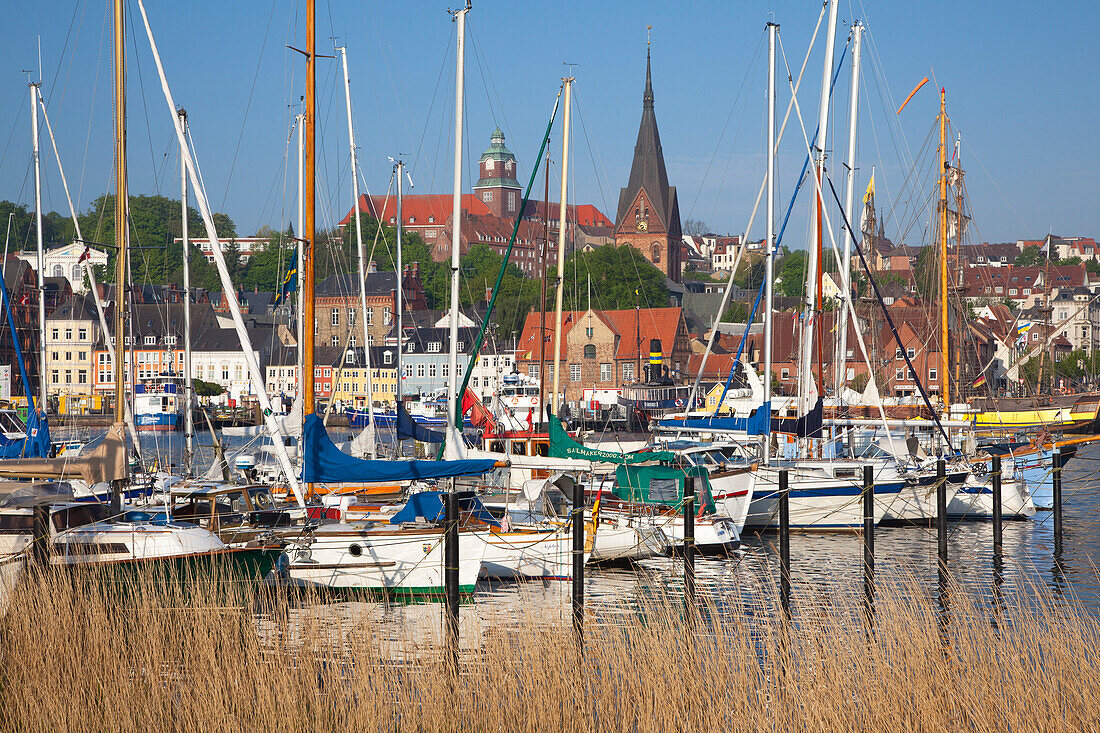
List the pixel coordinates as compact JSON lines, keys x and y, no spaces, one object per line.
{"x":662,"y":485}
{"x":562,"y":445}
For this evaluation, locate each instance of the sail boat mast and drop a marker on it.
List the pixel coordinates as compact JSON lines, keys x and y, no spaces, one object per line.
{"x":189,"y":387}
{"x":309,"y":188}
{"x":555,"y":396}
{"x":399,"y":305}
{"x":359,"y":250}
{"x":41,"y":256}
{"x":769,"y":237}
{"x":944,"y":335}
{"x":300,"y":120}
{"x":452,"y":437}
{"x":121,"y":199}
{"x":849,"y":196}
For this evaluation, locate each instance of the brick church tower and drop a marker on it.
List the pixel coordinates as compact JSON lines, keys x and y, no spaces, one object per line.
{"x":648,"y":218}
{"x":497,"y":186}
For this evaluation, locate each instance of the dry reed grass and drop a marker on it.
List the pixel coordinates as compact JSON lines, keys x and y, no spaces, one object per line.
{"x":76,"y":653}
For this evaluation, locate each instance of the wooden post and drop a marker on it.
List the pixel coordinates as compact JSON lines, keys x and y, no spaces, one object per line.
{"x":1056,"y":458}
{"x":41,"y":546}
{"x":869,"y":535}
{"x":941,"y":513}
{"x":998,"y":545}
{"x":689,"y":546}
{"x":578,"y":562}
{"x":450,"y":570}
{"x":784,"y":543}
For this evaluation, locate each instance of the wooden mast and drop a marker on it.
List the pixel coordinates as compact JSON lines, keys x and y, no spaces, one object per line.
{"x":945,"y":373}
{"x":542,"y":293}
{"x":121,"y":197}
{"x":308,"y":232}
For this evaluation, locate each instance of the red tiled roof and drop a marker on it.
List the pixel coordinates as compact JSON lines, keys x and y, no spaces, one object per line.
{"x":660,"y":323}
{"x":417,"y":207}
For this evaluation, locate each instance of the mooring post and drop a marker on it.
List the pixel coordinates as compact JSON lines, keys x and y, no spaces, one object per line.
{"x":941,"y":513}
{"x":784,"y":542}
{"x":689,"y":546}
{"x":450,"y":570}
{"x":578,"y":562}
{"x":1056,"y":457}
{"x":40,"y":536}
{"x":869,"y":534}
{"x":998,"y":545}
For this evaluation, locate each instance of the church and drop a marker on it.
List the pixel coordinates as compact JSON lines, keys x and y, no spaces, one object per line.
{"x":648,"y":217}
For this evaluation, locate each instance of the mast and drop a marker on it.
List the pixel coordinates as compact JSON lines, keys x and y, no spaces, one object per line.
{"x":769,"y":237}
{"x":849,"y":195}
{"x":453,"y":438}
{"x":189,"y":387}
{"x":944,"y":335}
{"x":309,"y":196}
{"x":41,"y":258}
{"x":301,"y":251}
{"x":121,"y":200}
{"x":956,"y":269}
{"x":542,"y":295}
{"x":399,"y":306}
{"x":568,"y":83}
{"x":361,"y":253}
{"x":813,"y":287}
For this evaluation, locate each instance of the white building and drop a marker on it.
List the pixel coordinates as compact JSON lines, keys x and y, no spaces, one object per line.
{"x":247,"y":246}
{"x":65,"y":262}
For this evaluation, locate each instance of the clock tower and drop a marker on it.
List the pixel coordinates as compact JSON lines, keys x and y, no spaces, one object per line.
{"x":648,"y":217}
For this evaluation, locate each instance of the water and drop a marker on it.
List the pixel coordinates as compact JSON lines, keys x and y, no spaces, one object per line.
{"x":821,"y":564}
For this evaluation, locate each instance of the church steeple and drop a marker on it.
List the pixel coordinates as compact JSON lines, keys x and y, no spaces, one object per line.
{"x":647,"y":206}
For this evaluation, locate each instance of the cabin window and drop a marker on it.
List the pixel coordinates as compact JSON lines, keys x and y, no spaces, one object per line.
{"x":664,"y":490}
{"x":847,"y":473}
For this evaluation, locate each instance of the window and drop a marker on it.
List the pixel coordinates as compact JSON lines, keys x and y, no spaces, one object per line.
{"x":487,"y":196}
{"x":150,"y":340}
{"x":589,"y":351}
{"x":606,"y":374}
{"x":533,"y":371}
{"x":628,"y":371}
{"x":225,"y":371}
{"x":897,"y":353}
{"x":432,"y":370}
{"x":335,"y":317}
{"x":1011,"y":291}
{"x":550,"y":372}
{"x":82,"y":377}
{"x":84,"y":356}
{"x":387,"y":314}
{"x":328,"y":372}
{"x":54,"y":376}
{"x":1027,"y":291}
{"x":83,"y":334}
{"x":911,"y":352}
{"x":351,"y":341}
{"x":588,"y":332}
{"x":370,"y":316}
{"x":511,"y":199}
{"x":784,"y":374}
{"x":461,"y":346}
{"x":434,"y":346}
{"x":446,"y":370}
{"x":933,"y":375}
{"x":68,"y":376}
{"x":899,"y":374}
{"x":352,"y":316}
{"x":54,"y":333}
{"x":68,"y":334}
{"x":655,"y":253}
{"x":169,"y":340}
{"x":420,"y":370}
{"x":574,"y":372}
{"x":68,"y":356}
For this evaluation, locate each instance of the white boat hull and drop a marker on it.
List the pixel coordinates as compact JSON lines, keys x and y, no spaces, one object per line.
{"x":818,"y":499}
{"x":975,"y":500}
{"x":533,"y":554}
{"x":621,"y":537}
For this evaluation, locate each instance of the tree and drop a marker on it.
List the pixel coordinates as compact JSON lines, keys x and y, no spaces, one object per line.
{"x":790,"y":273}
{"x":1093,"y":267}
{"x":621,"y":278}
{"x":207,"y":389}
{"x":694,"y":227}
{"x":1030,"y":257}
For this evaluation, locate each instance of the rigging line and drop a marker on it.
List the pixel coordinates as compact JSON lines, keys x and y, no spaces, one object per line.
{"x":985,"y":170}
{"x":64,"y":46}
{"x":248,"y":104}
{"x":484,"y":81}
{"x":592,"y":157}
{"x":144,"y":104}
{"x":722,"y":134}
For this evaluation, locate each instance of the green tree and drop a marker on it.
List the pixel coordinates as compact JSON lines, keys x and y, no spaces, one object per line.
{"x":790,"y":273}
{"x":1030,"y":257}
{"x":621,"y":278}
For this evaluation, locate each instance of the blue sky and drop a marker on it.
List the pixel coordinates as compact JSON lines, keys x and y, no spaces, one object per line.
{"x":1019,"y":78}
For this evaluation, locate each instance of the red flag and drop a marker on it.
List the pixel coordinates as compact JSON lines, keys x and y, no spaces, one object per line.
{"x":87,"y":254}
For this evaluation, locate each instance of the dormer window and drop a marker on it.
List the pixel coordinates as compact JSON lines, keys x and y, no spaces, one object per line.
{"x":435,"y":346}
{"x":412,"y":219}
{"x":150,"y":340}
{"x":387,"y":357}
{"x":431,"y":220}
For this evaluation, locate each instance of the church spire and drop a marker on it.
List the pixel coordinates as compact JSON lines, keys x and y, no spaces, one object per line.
{"x":647,"y":96}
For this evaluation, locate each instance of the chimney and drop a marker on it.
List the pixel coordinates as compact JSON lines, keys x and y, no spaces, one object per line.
{"x":404,"y":272}
{"x":415,"y":268}
{"x":373,"y":267}
{"x":488,"y":293}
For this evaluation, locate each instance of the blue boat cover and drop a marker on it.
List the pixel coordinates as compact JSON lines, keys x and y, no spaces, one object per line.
{"x":323,"y":462}
{"x":36,"y":444}
{"x":757,"y":423}
{"x":428,"y":506}
{"x":807,"y":426}
{"x":408,"y":428}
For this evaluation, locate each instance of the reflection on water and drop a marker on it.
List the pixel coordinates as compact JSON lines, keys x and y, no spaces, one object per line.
{"x":821,"y":564}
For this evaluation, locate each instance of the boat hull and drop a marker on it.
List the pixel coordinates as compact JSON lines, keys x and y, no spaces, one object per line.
{"x":818,"y":501}
{"x":975,"y":500}
{"x":623,"y":538}
{"x":531,"y":554}
{"x":157,"y":421}
{"x":916,"y":502}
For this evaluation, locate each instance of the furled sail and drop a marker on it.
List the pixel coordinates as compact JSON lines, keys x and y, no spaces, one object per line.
{"x":323,"y":462}
{"x":757,"y":423}
{"x":106,"y":463}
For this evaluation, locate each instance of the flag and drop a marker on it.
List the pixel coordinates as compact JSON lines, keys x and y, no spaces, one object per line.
{"x":980,"y":381}
{"x":86,"y":255}
{"x":1021,"y":331}
{"x":868,"y":203}
{"x":290,"y":282}
{"x":869,"y":196}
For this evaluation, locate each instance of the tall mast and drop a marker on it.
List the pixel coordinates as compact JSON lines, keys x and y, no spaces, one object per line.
{"x":956,"y":270}
{"x":41,"y":257}
{"x":189,"y":387}
{"x":309,"y":195}
{"x":399,"y":306}
{"x":769,"y":236}
{"x":453,"y":438}
{"x":944,"y":358}
{"x":849,"y":196}
{"x":555,"y":397}
{"x":813,"y":281}
{"x":359,"y":249}
{"x":542,"y":293}
{"x":300,"y":243}
{"x":121,"y":200}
